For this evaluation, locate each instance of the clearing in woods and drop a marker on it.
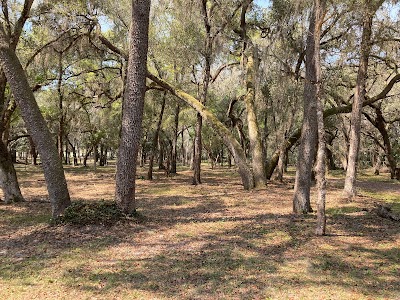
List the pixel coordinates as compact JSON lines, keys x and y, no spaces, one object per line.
{"x":214,"y":241}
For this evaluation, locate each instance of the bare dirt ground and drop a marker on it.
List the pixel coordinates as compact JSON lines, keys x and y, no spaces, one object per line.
{"x":214,"y":241}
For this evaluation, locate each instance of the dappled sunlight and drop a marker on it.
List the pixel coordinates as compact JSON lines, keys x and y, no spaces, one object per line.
{"x":198,"y":242}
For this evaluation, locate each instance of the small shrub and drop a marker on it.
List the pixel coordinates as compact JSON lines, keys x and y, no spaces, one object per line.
{"x":87,"y":213}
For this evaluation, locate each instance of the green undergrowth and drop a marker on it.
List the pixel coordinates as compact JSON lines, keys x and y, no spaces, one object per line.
{"x":95,"y":213}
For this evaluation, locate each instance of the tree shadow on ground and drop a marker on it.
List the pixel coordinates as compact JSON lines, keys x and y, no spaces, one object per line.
{"x":203,"y":247}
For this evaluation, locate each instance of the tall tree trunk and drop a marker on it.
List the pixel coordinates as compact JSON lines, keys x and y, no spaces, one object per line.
{"x":60,"y":134}
{"x":174,"y":156}
{"x":258,"y":162}
{"x":308,"y":140}
{"x":132,"y":108}
{"x":250,"y":56}
{"x":319,"y":7}
{"x":208,"y":50}
{"x":37,"y":128}
{"x":359,"y":97}
{"x":321,"y":170}
{"x":155,"y":138}
{"x":197,"y":151}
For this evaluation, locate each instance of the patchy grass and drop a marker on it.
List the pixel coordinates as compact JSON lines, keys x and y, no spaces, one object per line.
{"x":214,"y":241}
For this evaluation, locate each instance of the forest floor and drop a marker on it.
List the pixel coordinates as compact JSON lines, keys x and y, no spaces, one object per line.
{"x":214,"y":241}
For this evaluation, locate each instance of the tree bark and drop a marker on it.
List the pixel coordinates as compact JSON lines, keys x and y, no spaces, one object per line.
{"x":208,"y":49}
{"x":305,"y":160}
{"x":319,"y":7}
{"x":37,"y":128}
{"x":258,"y":162}
{"x":132,"y":107}
{"x":359,"y":97}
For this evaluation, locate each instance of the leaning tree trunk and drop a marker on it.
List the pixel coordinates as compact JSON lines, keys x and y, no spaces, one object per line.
{"x":36,"y":125}
{"x":133,"y":103}
{"x":359,"y":97}
{"x":230,"y":142}
{"x":305,"y":159}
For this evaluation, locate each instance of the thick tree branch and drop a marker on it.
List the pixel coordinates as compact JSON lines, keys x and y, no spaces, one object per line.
{"x":112,"y":47}
{"x":383,"y":94}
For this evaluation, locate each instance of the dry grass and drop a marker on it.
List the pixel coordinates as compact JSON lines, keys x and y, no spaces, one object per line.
{"x":214,"y":241}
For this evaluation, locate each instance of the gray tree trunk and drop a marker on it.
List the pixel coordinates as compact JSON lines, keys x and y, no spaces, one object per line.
{"x":319,"y":8}
{"x":359,"y":97}
{"x":37,"y":128}
{"x":256,"y":151}
{"x":132,"y":107}
{"x":308,"y":140}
